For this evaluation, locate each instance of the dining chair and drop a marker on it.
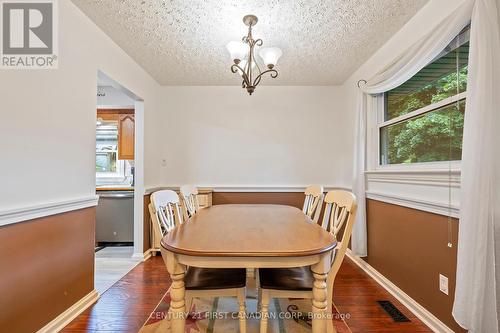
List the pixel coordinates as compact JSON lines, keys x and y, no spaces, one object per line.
{"x":313,"y":201}
{"x":190,"y":204}
{"x":162,"y":210}
{"x":340,"y":211}
{"x":200,"y":282}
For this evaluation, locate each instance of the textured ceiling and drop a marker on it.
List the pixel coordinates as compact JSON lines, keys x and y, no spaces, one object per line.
{"x":182,"y":42}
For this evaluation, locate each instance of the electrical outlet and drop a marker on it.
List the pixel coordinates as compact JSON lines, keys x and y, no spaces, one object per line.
{"x":443,"y":284}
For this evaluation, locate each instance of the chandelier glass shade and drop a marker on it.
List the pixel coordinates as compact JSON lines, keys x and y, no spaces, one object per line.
{"x":244,"y":61}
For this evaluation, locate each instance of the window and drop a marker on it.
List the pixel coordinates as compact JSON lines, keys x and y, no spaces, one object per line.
{"x":422,"y":119}
{"x":107,"y":163}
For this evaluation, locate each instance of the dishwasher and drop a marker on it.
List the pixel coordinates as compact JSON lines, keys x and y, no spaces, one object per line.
{"x":115,"y":217}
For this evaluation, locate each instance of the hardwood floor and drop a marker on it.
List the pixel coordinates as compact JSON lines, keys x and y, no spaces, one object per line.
{"x":126,"y":305}
{"x":356,"y":294}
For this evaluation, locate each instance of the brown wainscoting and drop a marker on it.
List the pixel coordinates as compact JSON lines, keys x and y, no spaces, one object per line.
{"x":295,"y":199}
{"x":409,"y":247}
{"x":47,"y":265}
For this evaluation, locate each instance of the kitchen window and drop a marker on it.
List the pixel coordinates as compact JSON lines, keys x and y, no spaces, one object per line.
{"x":421,"y":121}
{"x":107,"y":163}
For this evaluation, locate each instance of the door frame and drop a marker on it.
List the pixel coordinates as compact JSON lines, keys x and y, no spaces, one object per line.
{"x":138,"y":162}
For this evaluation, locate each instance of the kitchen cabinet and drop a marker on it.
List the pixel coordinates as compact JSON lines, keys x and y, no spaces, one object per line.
{"x":126,"y":129}
{"x":125,"y":122}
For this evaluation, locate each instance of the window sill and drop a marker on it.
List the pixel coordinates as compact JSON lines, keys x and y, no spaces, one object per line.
{"x":432,"y":177}
{"x":433,"y":190}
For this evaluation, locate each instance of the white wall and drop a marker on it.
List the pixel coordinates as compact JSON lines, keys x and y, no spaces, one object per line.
{"x":281,"y":136}
{"x":113,"y":98}
{"x":47,"y":124}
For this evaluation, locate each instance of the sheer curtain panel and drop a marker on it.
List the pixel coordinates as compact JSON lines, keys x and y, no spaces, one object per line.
{"x":477,"y":287}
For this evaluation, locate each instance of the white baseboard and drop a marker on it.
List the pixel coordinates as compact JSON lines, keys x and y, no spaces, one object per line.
{"x":142,"y":256}
{"x":147,"y":254}
{"x":418,"y":310}
{"x":71,"y":313}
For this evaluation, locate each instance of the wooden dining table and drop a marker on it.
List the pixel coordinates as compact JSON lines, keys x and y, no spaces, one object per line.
{"x":248,"y":236}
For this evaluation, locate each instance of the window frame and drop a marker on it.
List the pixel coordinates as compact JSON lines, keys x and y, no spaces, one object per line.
{"x":376,"y":119}
{"x":376,"y":109}
{"x":118,"y":174}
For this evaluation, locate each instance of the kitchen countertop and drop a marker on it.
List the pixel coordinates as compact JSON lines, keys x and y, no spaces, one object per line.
{"x":201,"y":190}
{"x":114,"y":188}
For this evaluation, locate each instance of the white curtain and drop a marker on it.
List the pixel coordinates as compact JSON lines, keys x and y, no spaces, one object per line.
{"x":477,"y":288}
{"x":392,"y":76}
{"x":359,"y":243}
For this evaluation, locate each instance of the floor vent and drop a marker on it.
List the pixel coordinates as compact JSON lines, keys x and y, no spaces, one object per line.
{"x":393,"y":311}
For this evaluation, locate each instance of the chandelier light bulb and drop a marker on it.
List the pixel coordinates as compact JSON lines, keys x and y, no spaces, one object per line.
{"x":237,"y":50}
{"x":243,"y":64}
{"x":270,"y":56}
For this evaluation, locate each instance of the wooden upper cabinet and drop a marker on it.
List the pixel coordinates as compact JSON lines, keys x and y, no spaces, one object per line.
{"x":126,"y":128}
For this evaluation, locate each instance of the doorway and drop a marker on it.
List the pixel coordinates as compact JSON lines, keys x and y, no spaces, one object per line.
{"x":117,"y":154}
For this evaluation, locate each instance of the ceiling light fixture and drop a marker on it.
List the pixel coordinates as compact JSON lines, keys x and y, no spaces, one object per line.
{"x":244,"y":58}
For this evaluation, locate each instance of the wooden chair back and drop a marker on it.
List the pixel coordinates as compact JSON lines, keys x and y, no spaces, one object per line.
{"x":340,"y":211}
{"x":313,"y":202}
{"x":165,"y":210}
{"x":189,"y":194}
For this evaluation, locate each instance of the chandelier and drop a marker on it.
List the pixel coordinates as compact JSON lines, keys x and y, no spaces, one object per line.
{"x":242,"y":54}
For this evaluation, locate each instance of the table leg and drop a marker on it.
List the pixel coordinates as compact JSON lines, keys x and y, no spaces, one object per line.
{"x":177,"y":312}
{"x":319,"y":302}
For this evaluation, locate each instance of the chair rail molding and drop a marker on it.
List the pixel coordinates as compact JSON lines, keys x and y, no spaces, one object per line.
{"x":21,"y":214}
{"x":271,"y":188}
{"x":427,"y":206}
{"x":251,"y":188}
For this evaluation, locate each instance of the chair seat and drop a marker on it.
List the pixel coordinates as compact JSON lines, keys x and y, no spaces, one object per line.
{"x":299,"y":278}
{"x":214,"y":278}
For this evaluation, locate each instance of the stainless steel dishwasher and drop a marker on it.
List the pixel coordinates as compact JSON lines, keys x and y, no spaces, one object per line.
{"x":115,"y":217}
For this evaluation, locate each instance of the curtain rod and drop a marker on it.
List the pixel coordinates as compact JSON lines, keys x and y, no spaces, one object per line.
{"x":362,"y":80}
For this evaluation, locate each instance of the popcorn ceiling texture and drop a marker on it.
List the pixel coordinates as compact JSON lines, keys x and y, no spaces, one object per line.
{"x":182,"y":42}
